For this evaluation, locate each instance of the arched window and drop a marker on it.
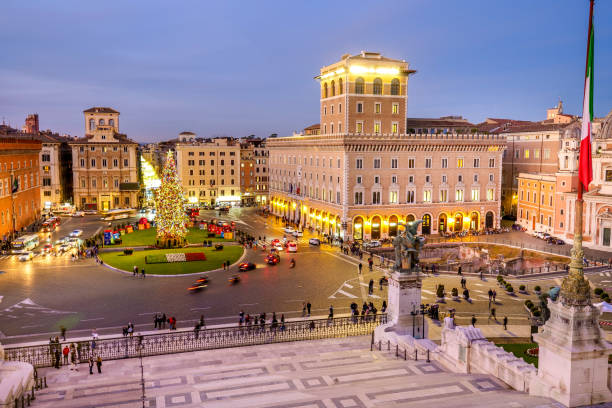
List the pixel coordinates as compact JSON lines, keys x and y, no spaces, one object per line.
{"x":393,"y":226}
{"x":358,"y":228}
{"x":92,"y":124}
{"x":101,"y":122}
{"x":375,"y":233}
{"x":458,"y":222}
{"x":377,"y":87}
{"x":395,"y":86}
{"x":442,"y":222}
{"x":474,"y":221}
{"x":340,"y":90}
{"x":325,"y":90}
{"x":426,"y":226}
{"x":333,"y":88}
{"x":359,"y":85}
{"x":111,"y":122}
{"x":489,"y":220}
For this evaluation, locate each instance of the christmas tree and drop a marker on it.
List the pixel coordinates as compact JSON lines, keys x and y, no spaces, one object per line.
{"x":170,"y":217}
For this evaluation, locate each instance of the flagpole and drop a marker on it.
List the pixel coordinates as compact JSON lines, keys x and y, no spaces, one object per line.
{"x":575,"y":289}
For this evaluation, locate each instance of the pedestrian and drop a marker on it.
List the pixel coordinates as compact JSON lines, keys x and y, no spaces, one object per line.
{"x":494,"y":295}
{"x":135,"y":271}
{"x":196,"y":330}
{"x":130,"y":330}
{"x":308,"y":305}
{"x":241,"y":318}
{"x":459,"y":271}
{"x":65,"y":353}
{"x":370,"y":263}
{"x":505,"y":322}
{"x":91,"y":364}
{"x":202,"y":322}
{"x":228,"y":264}
{"x":99,"y":364}
{"x":492,"y":314}
{"x":384,"y":306}
{"x":380,"y":282}
{"x":63,"y":332}
{"x":473,"y":321}
{"x":163,"y":321}
{"x":57,"y":357}
{"x":331,"y":312}
{"x":156,"y":320}
{"x":490,"y":295}
{"x":311,"y":326}
{"x":223,"y":265}
{"x":360,"y":267}
{"x":73,"y":358}
{"x":371,"y":286}
{"x":142,"y":271}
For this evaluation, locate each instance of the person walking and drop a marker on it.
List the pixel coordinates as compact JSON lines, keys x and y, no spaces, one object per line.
{"x":473,"y":321}
{"x":490,"y":296}
{"x":360,"y":267}
{"x":135,"y":271}
{"x":63,"y":332}
{"x":308,"y":305}
{"x":99,"y":364}
{"x":162,"y":322}
{"x":223,"y":265}
{"x":331,"y":312}
{"x":492,"y":315}
{"x":494,"y":295}
{"x":370,"y":263}
{"x":202,"y":322}
{"x":505,"y":322}
{"x":459,"y":271}
{"x":156,"y":320}
{"x":73,"y":358}
{"x":303,"y":309}
{"x":142,"y":271}
{"x":91,"y":364}
{"x":371,"y":286}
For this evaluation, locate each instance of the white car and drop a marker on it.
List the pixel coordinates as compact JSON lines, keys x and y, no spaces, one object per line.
{"x":278,"y":246}
{"x":314,"y":241}
{"x":26,"y":256}
{"x":297,"y":233}
{"x":78,"y":214}
{"x":289,"y":230}
{"x":63,"y":248}
{"x":76,"y":233}
{"x":292,"y":247}
{"x":371,"y":244}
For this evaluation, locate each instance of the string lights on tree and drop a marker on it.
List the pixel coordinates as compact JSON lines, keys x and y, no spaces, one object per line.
{"x":171,"y":218}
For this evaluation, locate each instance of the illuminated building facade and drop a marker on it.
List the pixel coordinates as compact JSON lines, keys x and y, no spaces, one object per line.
{"x":209,"y":169}
{"x":363,"y":175}
{"x":104,"y":163}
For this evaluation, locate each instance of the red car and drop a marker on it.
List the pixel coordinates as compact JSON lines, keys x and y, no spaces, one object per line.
{"x":272,"y":259}
{"x":246,"y":266}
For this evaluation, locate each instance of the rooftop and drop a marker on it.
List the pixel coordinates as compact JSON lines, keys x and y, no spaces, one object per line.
{"x":100,"y":109}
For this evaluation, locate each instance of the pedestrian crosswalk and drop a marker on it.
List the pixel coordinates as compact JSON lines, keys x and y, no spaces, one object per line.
{"x":605,"y":273}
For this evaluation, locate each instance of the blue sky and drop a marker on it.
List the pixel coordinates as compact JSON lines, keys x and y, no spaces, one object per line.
{"x":246,"y":67}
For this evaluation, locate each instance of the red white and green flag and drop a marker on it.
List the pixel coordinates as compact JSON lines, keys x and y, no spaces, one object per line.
{"x":585,"y":168}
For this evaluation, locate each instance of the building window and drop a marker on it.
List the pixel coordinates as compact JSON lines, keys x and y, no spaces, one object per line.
{"x":428,"y":163}
{"x":93,"y":162}
{"x":459,"y":194}
{"x":475,"y":178}
{"x":359,"y":179}
{"x":104,"y":163}
{"x":443,"y":196}
{"x":359,"y":128}
{"x":375,"y":197}
{"x":358,"y":197}
{"x":395,"y":86}
{"x":92,"y":125}
{"x":376,"y":127}
{"x":490,"y":194}
{"x":444,"y":163}
{"x":393,"y":197}
{"x":410,"y":196}
{"x":359,"y":107}
{"x":377,"y":107}
{"x":546,"y":153}
{"x":359,"y":164}
{"x":476,"y":163}
{"x":377,"y":90}
{"x":82,"y":162}
{"x":46,"y":181}
{"x":359,"y":85}
{"x":411,"y":163}
{"x":475,"y":194}
{"x":491,"y":163}
{"x":395,"y":108}
{"x":460,"y":163}
{"x":491,"y":177}
{"x":376,"y":180}
{"x":394,"y":128}
{"x":46,"y":157}
{"x":526,"y":153}
{"x":444,"y":178}
{"x":427,"y":196}
{"x":377,"y":163}
{"x":394,"y":163}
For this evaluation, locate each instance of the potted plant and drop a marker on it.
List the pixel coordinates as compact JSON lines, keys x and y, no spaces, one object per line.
{"x":509,"y":289}
{"x":536,"y":313}
{"x":440,"y":294}
{"x":537,"y":290}
{"x":499,"y":278}
{"x":598,"y":291}
{"x":128,"y":251}
{"x":455,"y":294}
{"x":522,"y":289}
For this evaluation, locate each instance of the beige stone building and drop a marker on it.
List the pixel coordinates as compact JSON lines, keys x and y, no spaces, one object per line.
{"x":104,"y":164}
{"x":363,"y":175}
{"x":209,"y":169}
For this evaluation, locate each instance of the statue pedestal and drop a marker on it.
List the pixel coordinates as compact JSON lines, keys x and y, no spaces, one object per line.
{"x":404,"y":300}
{"x":573,"y":357}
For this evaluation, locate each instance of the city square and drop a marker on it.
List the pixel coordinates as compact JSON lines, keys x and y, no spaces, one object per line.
{"x":169,"y":239}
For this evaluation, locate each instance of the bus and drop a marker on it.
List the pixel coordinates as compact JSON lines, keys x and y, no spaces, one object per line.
{"x":117,"y":214}
{"x":25,"y":243}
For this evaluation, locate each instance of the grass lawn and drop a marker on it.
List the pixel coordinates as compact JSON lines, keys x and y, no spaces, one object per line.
{"x":147,"y":237}
{"x":214,"y":260}
{"x":520,"y":350}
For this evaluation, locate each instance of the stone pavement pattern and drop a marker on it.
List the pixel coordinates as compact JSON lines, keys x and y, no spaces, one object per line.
{"x":335,"y":373}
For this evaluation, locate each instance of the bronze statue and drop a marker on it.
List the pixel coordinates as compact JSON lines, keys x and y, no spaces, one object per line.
{"x":407,"y":246}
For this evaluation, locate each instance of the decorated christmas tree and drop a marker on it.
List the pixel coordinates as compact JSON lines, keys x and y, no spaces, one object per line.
{"x":170,"y":217}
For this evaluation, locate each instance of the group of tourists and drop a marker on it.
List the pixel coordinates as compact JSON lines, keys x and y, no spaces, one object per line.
{"x":71,"y":354}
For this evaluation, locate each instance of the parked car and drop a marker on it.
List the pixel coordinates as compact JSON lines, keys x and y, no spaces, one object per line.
{"x":292,"y":247}
{"x":278,"y":246}
{"x":26,"y":256}
{"x":63,"y":248}
{"x":288,"y":230}
{"x":246,"y":266}
{"x":371,"y":244}
{"x":297,"y":233}
{"x":314,"y":241}
{"x":76,"y":233}
{"x":78,"y":214}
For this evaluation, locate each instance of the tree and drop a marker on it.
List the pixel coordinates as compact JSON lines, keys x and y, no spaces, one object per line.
{"x":170,"y":215}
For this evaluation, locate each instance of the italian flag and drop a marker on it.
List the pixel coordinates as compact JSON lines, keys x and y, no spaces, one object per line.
{"x":585,"y":168}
